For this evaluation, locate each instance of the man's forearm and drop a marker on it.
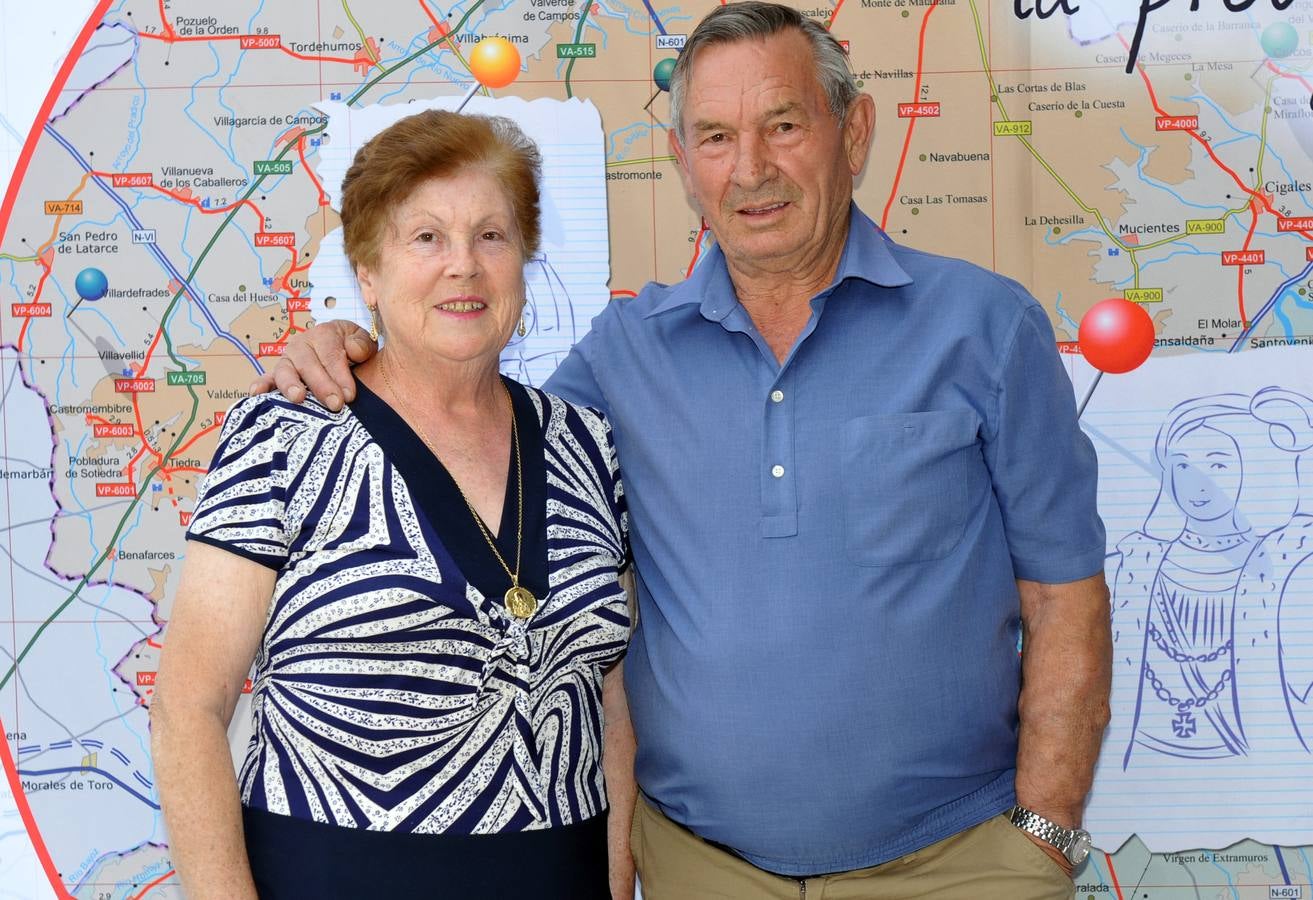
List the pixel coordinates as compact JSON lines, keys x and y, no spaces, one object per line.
{"x":621,"y":788}
{"x":1066,"y":666}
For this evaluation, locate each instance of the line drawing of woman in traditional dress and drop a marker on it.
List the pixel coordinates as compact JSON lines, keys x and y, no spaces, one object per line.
{"x":1175,"y":587}
{"x":1207,"y":610}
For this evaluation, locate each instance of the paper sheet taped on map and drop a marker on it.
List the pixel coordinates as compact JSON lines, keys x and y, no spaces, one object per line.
{"x":566,"y":280}
{"x":1210,"y":561}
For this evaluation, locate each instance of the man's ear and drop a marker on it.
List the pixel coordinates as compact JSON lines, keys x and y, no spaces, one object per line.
{"x":858,"y":131}
{"x":681,"y":165}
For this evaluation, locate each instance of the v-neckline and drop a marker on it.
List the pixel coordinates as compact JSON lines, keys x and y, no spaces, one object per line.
{"x":437,"y":498}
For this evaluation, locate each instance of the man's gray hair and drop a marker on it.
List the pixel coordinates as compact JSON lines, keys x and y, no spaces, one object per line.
{"x":755,"y":20}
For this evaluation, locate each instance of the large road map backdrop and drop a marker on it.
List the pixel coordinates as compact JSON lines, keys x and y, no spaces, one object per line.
{"x":169,"y":223}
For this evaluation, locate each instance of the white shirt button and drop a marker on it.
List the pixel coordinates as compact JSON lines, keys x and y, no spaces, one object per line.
{"x":776,"y":396}
{"x":777,"y":471}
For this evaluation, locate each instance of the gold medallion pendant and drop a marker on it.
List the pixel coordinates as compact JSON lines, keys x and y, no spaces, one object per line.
{"x":521,"y":602}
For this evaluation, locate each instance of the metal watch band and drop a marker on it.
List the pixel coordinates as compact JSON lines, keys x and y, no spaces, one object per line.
{"x":1042,"y":828}
{"x":1073,"y":843}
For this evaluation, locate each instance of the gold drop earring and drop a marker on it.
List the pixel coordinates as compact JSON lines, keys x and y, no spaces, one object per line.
{"x":373,"y":324}
{"x":522,"y":329}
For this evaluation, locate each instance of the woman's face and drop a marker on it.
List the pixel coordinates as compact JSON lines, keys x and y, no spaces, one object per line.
{"x":1206,"y":473}
{"x":449,"y":284}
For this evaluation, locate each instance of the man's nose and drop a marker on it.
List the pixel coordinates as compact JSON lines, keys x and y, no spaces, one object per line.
{"x":752,"y":164}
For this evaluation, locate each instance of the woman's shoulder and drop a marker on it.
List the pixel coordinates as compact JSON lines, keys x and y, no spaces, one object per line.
{"x":555,"y":409}
{"x":273,"y":417}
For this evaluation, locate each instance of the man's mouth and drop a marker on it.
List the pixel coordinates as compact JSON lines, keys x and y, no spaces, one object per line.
{"x":763,"y":209}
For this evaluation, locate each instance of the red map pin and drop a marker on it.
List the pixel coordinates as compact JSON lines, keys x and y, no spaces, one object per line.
{"x":1116,"y":335}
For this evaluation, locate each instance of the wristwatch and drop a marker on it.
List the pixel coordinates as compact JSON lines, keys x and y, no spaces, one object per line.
{"x":1073,"y":843}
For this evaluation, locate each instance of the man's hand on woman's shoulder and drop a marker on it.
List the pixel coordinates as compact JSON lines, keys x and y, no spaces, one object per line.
{"x":319,"y":360}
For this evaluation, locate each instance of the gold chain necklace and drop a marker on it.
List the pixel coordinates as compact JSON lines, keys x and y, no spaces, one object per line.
{"x":519,"y":600}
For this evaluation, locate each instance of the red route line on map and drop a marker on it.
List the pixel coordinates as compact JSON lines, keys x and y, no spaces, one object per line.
{"x":911,"y":122}
{"x":1291,"y":75}
{"x":834,"y":15}
{"x":424,"y":6}
{"x":148,"y":888}
{"x":300,"y":151}
{"x":45,"y":273}
{"x":164,"y":21}
{"x":1240,"y":270}
{"x":697,"y":247}
{"x":1113,"y":872}
{"x":623,"y":294}
{"x":6,"y":211}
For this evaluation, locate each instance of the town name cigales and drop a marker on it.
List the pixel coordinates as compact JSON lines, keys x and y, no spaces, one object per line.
{"x":1022,"y":10}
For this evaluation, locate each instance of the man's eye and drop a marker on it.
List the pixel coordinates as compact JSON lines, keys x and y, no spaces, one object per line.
{"x":717,"y":138}
{"x":785,"y":127}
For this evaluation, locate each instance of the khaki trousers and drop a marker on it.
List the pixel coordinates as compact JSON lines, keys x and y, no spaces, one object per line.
{"x":992,"y":861}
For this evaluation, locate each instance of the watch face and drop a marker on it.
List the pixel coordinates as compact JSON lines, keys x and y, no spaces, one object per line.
{"x":1080,"y":847}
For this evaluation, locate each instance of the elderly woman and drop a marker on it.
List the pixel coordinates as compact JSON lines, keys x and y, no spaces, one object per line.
{"x":426,"y":582}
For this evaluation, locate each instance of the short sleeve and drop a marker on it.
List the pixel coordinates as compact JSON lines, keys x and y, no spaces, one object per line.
{"x":574,"y":379}
{"x":242,"y":503}
{"x":619,"y":506}
{"x":1044,"y":470}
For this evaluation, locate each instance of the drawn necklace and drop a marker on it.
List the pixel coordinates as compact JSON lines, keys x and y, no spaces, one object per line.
{"x":519,"y":600}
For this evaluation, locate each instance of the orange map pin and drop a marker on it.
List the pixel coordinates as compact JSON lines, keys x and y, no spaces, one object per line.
{"x":495,"y":62}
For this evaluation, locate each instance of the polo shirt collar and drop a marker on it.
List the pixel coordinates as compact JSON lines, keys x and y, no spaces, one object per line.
{"x":866,"y":255}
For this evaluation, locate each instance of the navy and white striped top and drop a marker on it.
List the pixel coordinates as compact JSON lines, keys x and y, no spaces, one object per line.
{"x":392,"y":691}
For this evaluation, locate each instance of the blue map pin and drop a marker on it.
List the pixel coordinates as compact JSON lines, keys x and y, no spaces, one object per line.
{"x":91,"y":284}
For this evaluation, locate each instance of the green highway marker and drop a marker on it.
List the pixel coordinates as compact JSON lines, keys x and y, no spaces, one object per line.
{"x":273,"y":167}
{"x":576,"y":51}
{"x":185,"y":378}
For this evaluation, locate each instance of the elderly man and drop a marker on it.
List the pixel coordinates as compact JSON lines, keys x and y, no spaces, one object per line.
{"x":855,"y":480}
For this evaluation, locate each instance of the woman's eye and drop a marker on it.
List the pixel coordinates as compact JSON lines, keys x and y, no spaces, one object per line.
{"x":426,"y":237}
{"x":1218,"y":466}
{"x":492,"y":235}
{"x":1182,"y":466}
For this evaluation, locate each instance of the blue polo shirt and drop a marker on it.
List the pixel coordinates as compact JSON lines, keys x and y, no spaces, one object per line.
{"x":825,"y":672}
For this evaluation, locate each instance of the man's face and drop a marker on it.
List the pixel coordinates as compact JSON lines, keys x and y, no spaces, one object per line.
{"x":763,"y":159}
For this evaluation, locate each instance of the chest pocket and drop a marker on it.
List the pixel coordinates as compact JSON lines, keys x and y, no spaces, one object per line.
{"x":907,"y":480}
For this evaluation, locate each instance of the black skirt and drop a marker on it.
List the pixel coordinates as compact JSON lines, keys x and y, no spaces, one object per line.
{"x":295,"y":859}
